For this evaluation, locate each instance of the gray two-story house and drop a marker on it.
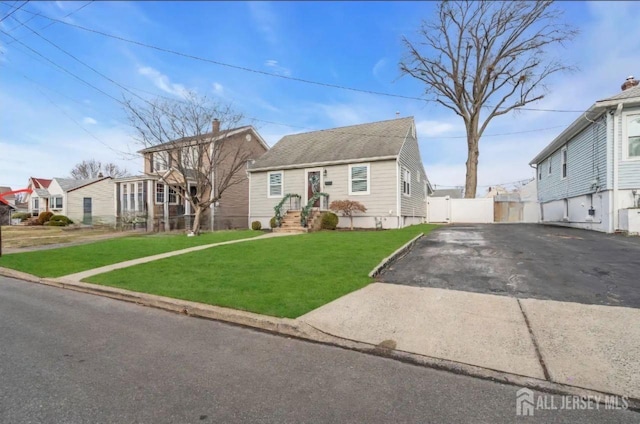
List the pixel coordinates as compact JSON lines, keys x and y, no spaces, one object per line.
{"x":589,"y":176}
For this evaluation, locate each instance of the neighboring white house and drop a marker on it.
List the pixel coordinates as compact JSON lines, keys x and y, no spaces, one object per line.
{"x":589,"y":176}
{"x":87,"y":201}
{"x":377,"y":164}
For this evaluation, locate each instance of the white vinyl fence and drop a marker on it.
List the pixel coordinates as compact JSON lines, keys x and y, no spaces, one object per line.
{"x":445,"y":209}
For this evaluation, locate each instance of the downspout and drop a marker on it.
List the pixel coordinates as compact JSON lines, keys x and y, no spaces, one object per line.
{"x":398,"y":191}
{"x":616,"y":139}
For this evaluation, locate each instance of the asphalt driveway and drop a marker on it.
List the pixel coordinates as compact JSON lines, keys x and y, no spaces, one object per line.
{"x":525,"y":261}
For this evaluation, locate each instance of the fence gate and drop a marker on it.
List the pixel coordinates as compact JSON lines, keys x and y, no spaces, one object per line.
{"x":438,"y":209}
{"x":508,"y":211}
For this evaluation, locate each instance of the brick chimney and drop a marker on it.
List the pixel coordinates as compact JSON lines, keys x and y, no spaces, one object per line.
{"x":215,"y":127}
{"x":630,"y":82}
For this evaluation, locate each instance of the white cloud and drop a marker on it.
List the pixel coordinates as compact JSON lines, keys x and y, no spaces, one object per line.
{"x":89,"y":120}
{"x":277,"y":68}
{"x":162,"y":81}
{"x":218,"y":88}
{"x":378,"y":67}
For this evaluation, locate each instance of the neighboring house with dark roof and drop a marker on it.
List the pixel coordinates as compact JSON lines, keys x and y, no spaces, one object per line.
{"x":88,"y":201}
{"x":377,"y":164}
{"x":453,"y":193}
{"x":155,"y":197}
{"x":589,"y":175}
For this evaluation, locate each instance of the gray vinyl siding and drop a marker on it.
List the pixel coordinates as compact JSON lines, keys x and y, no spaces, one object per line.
{"x":380,"y":201}
{"x":586,"y":162}
{"x":415,"y":204}
{"x":628,"y":170}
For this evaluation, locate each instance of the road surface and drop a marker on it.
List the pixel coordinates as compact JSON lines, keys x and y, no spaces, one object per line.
{"x":68,"y":357}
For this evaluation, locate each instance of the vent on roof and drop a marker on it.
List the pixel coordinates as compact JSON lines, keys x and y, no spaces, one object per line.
{"x":630,"y":82}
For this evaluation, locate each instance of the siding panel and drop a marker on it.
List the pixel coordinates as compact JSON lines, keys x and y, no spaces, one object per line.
{"x":586,"y":163}
{"x":414,"y":205}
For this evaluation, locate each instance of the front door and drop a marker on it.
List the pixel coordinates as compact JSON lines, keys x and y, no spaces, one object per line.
{"x":86,"y":209}
{"x":313,"y":186}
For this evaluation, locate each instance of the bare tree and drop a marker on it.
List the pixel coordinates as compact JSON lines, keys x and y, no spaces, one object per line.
{"x":205,"y":161}
{"x":347,"y":208}
{"x":483,"y":59}
{"x":94,"y":168}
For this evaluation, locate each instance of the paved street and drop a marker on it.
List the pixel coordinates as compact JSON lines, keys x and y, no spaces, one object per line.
{"x":68,"y":357}
{"x":526,"y":261}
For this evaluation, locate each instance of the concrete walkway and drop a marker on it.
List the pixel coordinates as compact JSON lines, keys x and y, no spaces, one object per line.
{"x":79,"y":276}
{"x":589,"y":346}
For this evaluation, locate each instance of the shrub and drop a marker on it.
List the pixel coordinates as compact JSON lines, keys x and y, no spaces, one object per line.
{"x":60,"y":218}
{"x":329,"y":221}
{"x":44,"y":217}
{"x":273,"y":223}
{"x":256,"y":225}
{"x":22,"y":216}
{"x":33,"y":221}
{"x":56,"y":224}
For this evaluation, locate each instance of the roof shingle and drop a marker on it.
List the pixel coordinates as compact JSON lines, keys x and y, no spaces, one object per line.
{"x":355,"y":142}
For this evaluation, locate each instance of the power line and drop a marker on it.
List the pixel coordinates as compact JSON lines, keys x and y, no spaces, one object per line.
{"x":62,"y":68}
{"x":271,"y":74}
{"x":14,"y":11}
{"x":35,"y":15}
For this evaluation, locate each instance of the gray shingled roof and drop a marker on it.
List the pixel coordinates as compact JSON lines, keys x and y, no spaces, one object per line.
{"x":629,"y":93}
{"x":42,"y":192}
{"x":364,"y":141}
{"x":454,"y":193}
{"x":68,"y":184}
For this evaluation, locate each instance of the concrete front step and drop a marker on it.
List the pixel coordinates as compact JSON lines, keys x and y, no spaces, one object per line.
{"x":290,"y":230}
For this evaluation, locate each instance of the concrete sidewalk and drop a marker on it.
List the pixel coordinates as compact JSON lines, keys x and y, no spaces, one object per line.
{"x":589,"y":346}
{"x":79,"y":276}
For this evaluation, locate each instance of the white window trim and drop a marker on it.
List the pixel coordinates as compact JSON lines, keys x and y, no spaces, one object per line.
{"x":52,"y":202}
{"x":625,"y":137}
{"x":164,"y":163}
{"x":169,"y":189}
{"x":360,"y":193}
{"x":564,"y":163}
{"x":155,"y":193}
{"x":269,"y":195}
{"x":405,"y":172}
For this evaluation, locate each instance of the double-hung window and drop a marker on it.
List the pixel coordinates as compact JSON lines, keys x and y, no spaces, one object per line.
{"x":56,"y":202}
{"x":359,"y":179}
{"x":276,"y":184}
{"x":159,"y":193}
{"x":406,"y":182}
{"x":632,"y":139}
{"x":160,"y":161}
{"x":549,"y":164}
{"x":564,"y":162}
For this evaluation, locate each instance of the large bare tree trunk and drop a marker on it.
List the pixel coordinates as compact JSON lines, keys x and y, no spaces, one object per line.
{"x":471,"y":181}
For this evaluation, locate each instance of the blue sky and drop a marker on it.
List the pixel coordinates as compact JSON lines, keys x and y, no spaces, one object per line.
{"x":50,"y":120}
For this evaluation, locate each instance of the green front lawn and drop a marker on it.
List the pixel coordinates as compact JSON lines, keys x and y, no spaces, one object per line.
{"x":69,"y":260}
{"x":283,"y":277}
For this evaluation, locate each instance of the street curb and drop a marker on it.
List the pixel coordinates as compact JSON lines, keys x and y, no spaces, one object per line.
{"x":301,"y":330}
{"x":386,"y":262}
